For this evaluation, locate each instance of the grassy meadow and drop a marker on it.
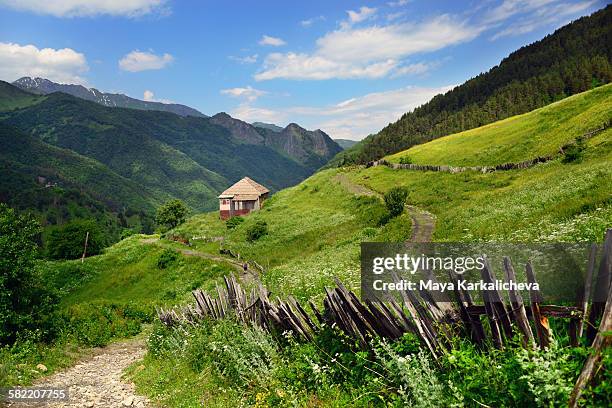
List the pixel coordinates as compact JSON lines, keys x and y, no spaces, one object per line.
{"x":519,"y":138}
{"x":314,"y":231}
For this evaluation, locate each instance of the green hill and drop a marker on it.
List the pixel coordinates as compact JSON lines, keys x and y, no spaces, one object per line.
{"x":538,"y":133}
{"x":314,"y":234}
{"x":316,"y":227}
{"x":573,"y":59}
{"x":171,"y":156}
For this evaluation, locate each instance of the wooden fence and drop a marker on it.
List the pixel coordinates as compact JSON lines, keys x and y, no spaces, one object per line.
{"x":435,"y":323}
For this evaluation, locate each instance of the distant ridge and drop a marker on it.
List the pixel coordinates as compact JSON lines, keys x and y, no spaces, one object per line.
{"x":345,"y":143}
{"x":269,"y":126}
{"x":42,"y":86}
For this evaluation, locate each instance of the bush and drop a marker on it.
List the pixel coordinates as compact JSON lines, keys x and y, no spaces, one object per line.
{"x":574,"y":152}
{"x":127,"y":232}
{"x":68,"y":241}
{"x":166,"y":258}
{"x":405,"y":160}
{"x":171,"y":214}
{"x":256,"y":231}
{"x":395,"y":199}
{"x":234,"y":222}
{"x":97,"y":323}
{"x":26,"y":303}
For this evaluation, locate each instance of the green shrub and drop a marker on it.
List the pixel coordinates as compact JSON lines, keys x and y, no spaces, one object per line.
{"x":167,"y":258}
{"x":96,"y":323}
{"x":233,"y":222}
{"x":395,"y":199}
{"x":574,"y":152}
{"x":68,"y":241}
{"x":256,"y":231}
{"x":127,"y":232}
{"x":405,"y":160}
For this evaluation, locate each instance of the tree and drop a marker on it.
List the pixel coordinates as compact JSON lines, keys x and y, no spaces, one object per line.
{"x":68,"y":241}
{"x":171,"y":214}
{"x":395,"y":199}
{"x":24,"y":301}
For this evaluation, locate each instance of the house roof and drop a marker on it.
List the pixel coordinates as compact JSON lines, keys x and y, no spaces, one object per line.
{"x":244,"y":188}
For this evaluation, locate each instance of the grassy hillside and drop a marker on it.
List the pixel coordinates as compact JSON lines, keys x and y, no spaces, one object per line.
{"x":315,"y":228}
{"x":538,"y":133}
{"x":14,"y":98}
{"x":573,"y":59}
{"x":314,"y":233}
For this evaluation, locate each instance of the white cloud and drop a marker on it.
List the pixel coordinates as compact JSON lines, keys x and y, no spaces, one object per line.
{"x":509,"y":8}
{"x":149,"y":96}
{"x":369,"y":52}
{"x":251,"y":114}
{"x":304,"y":66}
{"x":311,"y":21}
{"x":273,"y":41}
{"x":60,"y":65}
{"x":249,"y":59}
{"x":418,"y":68}
{"x":398,"y":3}
{"x":353,"y":118}
{"x":358,"y":117}
{"x":395,"y":16}
{"x":547,"y":14}
{"x":248,"y":94}
{"x":137,"y":61}
{"x":81,"y":8}
{"x":363,"y":14}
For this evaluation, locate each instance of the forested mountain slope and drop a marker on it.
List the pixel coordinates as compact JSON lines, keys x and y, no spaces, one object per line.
{"x":573,"y":59}
{"x":65,"y":158}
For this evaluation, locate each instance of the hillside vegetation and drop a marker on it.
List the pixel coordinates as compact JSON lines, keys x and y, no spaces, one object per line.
{"x":314,"y":232}
{"x":315,"y":228}
{"x":541,"y":132}
{"x":573,"y":59}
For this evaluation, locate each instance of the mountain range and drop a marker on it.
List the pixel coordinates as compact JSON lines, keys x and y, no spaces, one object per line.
{"x":122,"y":163}
{"x":42,"y":86}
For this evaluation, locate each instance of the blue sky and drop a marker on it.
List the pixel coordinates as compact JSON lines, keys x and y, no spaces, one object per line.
{"x":347,"y":67}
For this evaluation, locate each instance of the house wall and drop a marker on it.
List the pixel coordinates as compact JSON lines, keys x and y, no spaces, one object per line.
{"x":231,"y":208}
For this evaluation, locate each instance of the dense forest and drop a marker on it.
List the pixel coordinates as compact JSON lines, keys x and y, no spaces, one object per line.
{"x":573,"y":59}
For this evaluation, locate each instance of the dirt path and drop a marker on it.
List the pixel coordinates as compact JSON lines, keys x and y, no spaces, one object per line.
{"x":96,"y":382}
{"x":423,"y":222}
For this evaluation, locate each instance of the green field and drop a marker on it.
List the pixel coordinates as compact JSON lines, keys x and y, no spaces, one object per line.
{"x":538,"y":133}
{"x":314,"y":234}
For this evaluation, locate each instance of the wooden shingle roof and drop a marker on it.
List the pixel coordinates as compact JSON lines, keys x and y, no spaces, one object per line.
{"x":247,"y":189}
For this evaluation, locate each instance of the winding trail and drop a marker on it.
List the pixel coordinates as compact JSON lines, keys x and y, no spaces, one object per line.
{"x":423,"y":222}
{"x":96,"y":381}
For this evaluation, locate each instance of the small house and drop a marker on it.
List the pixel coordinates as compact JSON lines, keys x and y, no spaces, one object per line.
{"x":243,"y":197}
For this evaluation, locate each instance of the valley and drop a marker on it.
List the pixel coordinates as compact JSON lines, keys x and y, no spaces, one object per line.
{"x":132,"y":274}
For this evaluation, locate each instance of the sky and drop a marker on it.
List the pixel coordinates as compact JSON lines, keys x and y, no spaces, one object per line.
{"x":346,"y":67}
